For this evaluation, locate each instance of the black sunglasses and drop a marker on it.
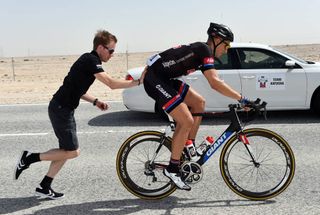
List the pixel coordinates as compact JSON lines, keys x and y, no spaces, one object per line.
{"x":109,"y":50}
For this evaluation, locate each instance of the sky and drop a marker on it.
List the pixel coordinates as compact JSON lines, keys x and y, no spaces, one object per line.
{"x":67,"y":27}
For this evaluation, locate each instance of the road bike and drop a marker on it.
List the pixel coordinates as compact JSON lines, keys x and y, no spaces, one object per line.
{"x":255,"y":163}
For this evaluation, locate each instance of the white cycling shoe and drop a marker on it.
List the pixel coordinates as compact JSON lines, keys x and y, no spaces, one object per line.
{"x":176,"y":179}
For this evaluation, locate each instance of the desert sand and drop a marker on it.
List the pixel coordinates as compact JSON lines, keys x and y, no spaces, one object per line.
{"x":28,"y":80}
{"x":36,"y":79}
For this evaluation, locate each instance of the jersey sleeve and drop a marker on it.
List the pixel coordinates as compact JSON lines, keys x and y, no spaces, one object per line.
{"x":205,"y":57}
{"x":95,"y":65}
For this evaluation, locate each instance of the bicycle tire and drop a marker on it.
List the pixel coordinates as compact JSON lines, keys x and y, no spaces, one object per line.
{"x":257,"y":182}
{"x":131,"y":165}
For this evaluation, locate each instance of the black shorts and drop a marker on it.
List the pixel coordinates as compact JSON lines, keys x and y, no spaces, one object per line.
{"x":64,"y":125}
{"x":168,"y":93}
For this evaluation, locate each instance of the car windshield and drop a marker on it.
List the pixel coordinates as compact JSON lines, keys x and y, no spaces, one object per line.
{"x":292,"y":56}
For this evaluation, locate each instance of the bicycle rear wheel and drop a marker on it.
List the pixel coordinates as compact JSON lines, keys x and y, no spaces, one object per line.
{"x":272,"y":173}
{"x":135,"y":170}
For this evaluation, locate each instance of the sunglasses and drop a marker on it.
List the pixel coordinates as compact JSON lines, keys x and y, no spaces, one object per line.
{"x":109,"y":50}
{"x":227,"y":45}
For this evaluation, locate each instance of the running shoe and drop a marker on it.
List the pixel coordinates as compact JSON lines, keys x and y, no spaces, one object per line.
{"x":22,"y":164}
{"x":48,"y":193}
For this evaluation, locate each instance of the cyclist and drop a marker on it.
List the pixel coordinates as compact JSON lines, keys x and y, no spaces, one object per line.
{"x":61,"y":109}
{"x":177,"y":98}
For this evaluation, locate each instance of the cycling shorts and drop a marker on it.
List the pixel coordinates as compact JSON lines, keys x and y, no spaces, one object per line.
{"x":168,"y":93}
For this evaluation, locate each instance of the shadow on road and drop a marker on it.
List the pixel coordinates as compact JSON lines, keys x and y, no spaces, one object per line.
{"x":127,"y":118}
{"x":125,"y":206}
{"x":10,"y":205}
{"x":132,"y":118}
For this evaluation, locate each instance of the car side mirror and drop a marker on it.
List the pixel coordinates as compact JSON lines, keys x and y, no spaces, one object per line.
{"x":290,"y":63}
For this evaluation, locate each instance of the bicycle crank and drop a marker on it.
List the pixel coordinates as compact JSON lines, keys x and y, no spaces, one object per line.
{"x":191,"y":172}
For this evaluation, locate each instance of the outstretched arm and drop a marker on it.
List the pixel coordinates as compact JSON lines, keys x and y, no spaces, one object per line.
{"x":219,"y":85}
{"x":115,"y":83}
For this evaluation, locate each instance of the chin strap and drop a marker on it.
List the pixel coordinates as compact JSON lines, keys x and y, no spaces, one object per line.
{"x":215,"y":46}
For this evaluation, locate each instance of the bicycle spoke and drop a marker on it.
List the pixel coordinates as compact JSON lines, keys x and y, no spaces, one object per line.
{"x":268,"y":175}
{"x":137,"y":159}
{"x":144,"y":177}
{"x":257,"y":152}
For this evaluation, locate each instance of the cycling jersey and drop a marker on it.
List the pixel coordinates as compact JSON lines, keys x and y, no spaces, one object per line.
{"x":183,"y":60}
{"x":163,"y":68}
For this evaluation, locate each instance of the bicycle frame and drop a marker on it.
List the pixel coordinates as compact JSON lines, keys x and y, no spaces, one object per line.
{"x":234,"y":127}
{"x":214,"y":147}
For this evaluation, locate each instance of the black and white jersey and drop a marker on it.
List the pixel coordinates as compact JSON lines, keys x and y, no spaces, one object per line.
{"x":183,"y":60}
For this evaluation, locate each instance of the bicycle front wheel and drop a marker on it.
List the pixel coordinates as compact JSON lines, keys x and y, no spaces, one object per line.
{"x":140,"y":163}
{"x":268,"y":176}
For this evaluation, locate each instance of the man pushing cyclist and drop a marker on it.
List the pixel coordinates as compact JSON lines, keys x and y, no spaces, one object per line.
{"x":180,"y":100}
{"x":62,"y":108}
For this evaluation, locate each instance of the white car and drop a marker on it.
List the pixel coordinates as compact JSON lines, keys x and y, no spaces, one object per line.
{"x":256,"y":71}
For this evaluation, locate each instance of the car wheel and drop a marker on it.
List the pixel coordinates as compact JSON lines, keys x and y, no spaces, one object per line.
{"x":160,"y":112}
{"x":316,"y":103}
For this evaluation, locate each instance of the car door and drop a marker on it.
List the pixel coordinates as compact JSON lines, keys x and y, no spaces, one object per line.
{"x":264,"y":74}
{"x":214,"y":100}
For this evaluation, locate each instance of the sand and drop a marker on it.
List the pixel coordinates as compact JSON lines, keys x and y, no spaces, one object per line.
{"x":36,"y":79}
{"x":29,"y":80}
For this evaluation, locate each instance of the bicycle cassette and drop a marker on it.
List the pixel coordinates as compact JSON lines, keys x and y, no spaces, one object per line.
{"x":191,"y":172}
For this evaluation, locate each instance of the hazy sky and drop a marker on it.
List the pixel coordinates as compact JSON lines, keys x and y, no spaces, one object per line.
{"x":64,"y":27}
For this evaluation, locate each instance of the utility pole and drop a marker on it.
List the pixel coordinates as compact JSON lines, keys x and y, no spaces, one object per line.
{"x":13,"y":74}
{"x":127,"y":57}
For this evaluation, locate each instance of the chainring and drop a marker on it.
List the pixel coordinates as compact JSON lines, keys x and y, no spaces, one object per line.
{"x":191,"y":172}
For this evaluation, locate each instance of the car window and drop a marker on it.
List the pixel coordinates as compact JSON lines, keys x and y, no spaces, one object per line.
{"x":260,"y":59}
{"x":223,"y":62}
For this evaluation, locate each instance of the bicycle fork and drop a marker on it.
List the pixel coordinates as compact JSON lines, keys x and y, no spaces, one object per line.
{"x":243,"y":138}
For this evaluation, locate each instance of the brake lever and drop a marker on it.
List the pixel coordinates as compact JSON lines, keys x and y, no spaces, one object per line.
{"x":264,"y":107}
{"x":259,"y":109}
{"x":257,"y":101}
{"x":265,"y":113}
{"x":256,"y":109}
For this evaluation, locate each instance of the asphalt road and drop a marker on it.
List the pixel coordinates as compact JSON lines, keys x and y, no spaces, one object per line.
{"x":90,"y":182}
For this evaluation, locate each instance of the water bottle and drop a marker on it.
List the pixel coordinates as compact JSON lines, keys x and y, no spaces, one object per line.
{"x":191,"y":150}
{"x":204,"y":145}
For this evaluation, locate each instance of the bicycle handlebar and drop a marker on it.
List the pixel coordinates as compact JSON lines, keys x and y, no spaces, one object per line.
{"x":256,"y":109}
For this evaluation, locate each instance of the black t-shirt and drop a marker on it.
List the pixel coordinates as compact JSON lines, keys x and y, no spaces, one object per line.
{"x":185,"y":59}
{"x":78,"y":80}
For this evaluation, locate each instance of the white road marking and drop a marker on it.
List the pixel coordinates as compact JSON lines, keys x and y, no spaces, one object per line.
{"x":79,"y":132}
{"x":23,"y":134}
{"x":46,"y":104}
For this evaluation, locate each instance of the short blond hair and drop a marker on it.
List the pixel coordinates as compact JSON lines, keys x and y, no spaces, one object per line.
{"x":103,"y":37}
